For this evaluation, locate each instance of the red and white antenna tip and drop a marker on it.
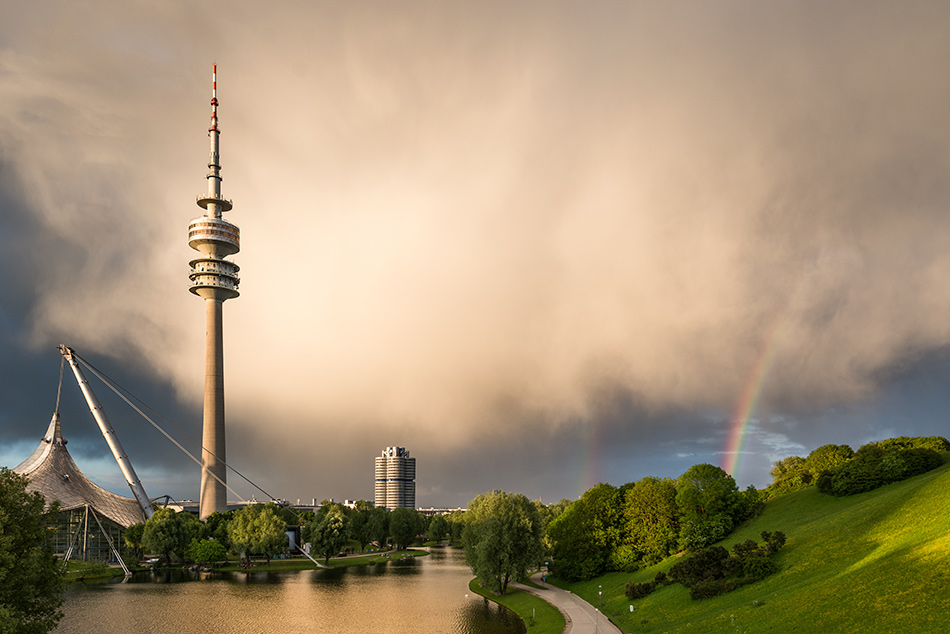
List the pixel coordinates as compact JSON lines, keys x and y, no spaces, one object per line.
{"x":214,"y":97}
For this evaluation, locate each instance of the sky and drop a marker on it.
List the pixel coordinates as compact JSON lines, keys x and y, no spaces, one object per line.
{"x":539,"y":244}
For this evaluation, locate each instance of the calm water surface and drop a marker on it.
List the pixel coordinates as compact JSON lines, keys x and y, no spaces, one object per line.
{"x":419,"y":595}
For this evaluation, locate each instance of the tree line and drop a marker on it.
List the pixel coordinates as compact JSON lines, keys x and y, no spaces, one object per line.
{"x":608,"y":529}
{"x":839,"y":470}
{"x":639,"y":524}
{"x":261,"y":530}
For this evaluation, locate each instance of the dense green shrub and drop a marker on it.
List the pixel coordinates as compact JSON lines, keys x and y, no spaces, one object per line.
{"x":853,"y":477}
{"x":635,"y":590}
{"x":773,"y":540}
{"x":920,"y":460}
{"x":757,"y":566}
{"x":702,"y":565}
{"x":713,"y":588}
{"x":712,"y":571}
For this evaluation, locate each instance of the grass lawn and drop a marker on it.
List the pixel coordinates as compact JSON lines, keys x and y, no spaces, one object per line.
{"x":539,"y":616}
{"x":86,"y":571}
{"x":874,"y":562}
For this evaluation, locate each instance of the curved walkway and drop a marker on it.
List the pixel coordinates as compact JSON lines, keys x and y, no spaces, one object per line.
{"x":580,"y":616}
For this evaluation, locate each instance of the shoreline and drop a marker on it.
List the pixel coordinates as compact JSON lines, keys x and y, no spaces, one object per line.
{"x":100,"y":572}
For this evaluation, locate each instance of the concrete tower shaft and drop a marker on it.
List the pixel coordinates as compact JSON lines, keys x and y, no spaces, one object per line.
{"x":214,"y":279}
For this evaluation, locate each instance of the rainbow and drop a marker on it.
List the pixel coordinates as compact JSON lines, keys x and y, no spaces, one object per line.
{"x":748,"y":402}
{"x":588,"y":471}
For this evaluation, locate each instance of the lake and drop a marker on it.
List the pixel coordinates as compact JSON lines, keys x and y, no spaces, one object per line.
{"x":411,"y":596}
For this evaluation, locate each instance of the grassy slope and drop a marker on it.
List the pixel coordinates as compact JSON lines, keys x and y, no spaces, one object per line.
{"x":875,"y":562}
{"x":539,"y":616}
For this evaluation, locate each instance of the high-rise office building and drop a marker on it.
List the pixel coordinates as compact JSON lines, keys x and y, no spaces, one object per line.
{"x":395,"y":479}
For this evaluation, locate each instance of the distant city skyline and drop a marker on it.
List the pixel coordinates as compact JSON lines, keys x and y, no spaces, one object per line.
{"x":541,"y":244}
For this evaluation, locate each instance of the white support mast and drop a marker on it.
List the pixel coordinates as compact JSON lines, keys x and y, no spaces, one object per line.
{"x":106,"y":428}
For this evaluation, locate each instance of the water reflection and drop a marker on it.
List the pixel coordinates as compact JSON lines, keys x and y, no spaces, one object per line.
{"x":408,"y":596}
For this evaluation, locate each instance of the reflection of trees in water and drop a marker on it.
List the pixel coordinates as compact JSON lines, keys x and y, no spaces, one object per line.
{"x":481,"y":616}
{"x":256,"y":578}
{"x":426,"y":594}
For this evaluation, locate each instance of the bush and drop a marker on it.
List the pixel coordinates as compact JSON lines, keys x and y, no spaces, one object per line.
{"x":752,"y":502}
{"x":635,"y":590}
{"x":773,"y":541}
{"x":702,"y":565}
{"x":712,"y":571}
{"x":757,"y":566}
{"x":713,"y":588}
{"x":859,"y":475}
{"x":921,"y":460}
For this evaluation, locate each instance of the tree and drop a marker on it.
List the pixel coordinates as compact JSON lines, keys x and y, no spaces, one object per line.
{"x":652,"y":519}
{"x":787,"y":467}
{"x":575,"y":556}
{"x":604,"y":506}
{"x":789,"y":475}
{"x":192,"y":526}
{"x":404,"y":525}
{"x":936,"y":443}
{"x":502,"y":538}
{"x":359,"y":523}
{"x":216,"y":527}
{"x":587,"y":536}
{"x":31,"y":578}
{"x":456,"y":520}
{"x":709,"y":503}
{"x":377,"y":525}
{"x":827,"y":457}
{"x":133,"y":539}
{"x":207,"y":551}
{"x":256,"y":529}
{"x":438,"y":527}
{"x":165,"y":534}
{"x":548,"y":513}
{"x":329,"y":534}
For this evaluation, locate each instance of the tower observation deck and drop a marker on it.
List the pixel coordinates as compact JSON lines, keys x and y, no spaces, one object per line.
{"x":214,"y":279}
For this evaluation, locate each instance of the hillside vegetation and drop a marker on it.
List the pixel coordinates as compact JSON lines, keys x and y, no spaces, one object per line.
{"x":874,"y":562}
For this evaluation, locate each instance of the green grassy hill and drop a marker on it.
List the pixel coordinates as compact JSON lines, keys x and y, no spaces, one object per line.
{"x":875,"y":562}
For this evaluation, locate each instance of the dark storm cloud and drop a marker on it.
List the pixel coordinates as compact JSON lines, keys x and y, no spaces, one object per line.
{"x":537,"y":244}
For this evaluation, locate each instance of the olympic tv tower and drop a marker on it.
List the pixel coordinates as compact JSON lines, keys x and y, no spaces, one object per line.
{"x":214,"y":279}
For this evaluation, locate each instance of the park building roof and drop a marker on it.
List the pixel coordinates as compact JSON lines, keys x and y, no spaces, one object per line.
{"x":51,"y":471}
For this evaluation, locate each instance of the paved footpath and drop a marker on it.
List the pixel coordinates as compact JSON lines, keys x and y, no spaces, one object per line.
{"x":580,"y":616}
